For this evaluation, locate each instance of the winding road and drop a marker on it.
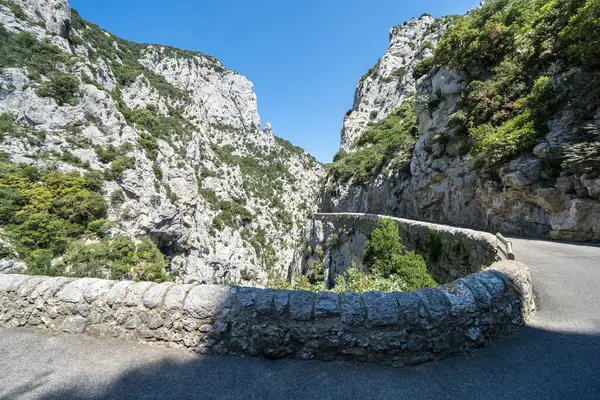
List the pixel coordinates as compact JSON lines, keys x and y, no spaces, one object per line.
{"x":557,"y":356}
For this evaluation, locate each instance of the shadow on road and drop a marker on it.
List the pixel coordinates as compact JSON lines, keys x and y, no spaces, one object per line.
{"x":534,"y":364}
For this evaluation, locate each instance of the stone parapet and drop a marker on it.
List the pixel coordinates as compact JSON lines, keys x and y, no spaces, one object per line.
{"x":397,"y":328}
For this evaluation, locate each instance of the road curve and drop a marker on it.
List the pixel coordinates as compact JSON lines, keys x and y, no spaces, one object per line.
{"x":557,"y":356}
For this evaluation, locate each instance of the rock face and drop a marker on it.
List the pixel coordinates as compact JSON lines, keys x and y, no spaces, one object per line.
{"x":210,"y":154}
{"x":390,"y":82}
{"x":529,"y":195}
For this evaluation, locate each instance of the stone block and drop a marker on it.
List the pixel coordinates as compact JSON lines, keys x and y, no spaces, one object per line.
{"x":154,"y":295}
{"x":135,"y":294}
{"x":494,"y":285}
{"x":381,"y":307}
{"x":327,"y":305}
{"x":352,"y":310}
{"x":73,"y":324}
{"x":97,"y":289}
{"x":27,"y":287}
{"x":245,"y":296}
{"x":408,"y":304}
{"x":264,"y":301}
{"x":281,"y":299}
{"x":175,"y":296}
{"x":154,"y":320}
{"x":73,"y":291}
{"x":433,"y":304}
{"x":480,"y":294}
{"x":57,"y":284}
{"x":116,"y":294}
{"x":10,"y":283}
{"x":460,"y":298}
{"x":208,"y":301}
{"x":301,"y":305}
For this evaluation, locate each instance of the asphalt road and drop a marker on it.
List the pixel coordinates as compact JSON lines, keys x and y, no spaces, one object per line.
{"x":556,"y":357}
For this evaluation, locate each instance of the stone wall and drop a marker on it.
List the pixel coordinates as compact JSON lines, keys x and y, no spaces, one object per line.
{"x":390,"y":328}
{"x":450,"y":253}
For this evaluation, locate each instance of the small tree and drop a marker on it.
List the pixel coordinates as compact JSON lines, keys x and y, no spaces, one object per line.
{"x":61,"y":87}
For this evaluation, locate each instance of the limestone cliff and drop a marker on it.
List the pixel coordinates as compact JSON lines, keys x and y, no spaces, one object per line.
{"x":225,"y":200}
{"x":536,"y":192}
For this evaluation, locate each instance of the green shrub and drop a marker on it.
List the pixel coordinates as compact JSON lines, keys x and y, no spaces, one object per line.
{"x":39,"y":262}
{"x":158,"y":173}
{"x":358,"y":282}
{"x":6,"y":124}
{"x":423,"y":67}
{"x":149,"y":144}
{"x":513,"y":137}
{"x":116,"y":259}
{"x":385,"y":257}
{"x":61,"y":87}
{"x":210,"y":196}
{"x":118,"y":167}
{"x":232,"y":215}
{"x":117,"y":198}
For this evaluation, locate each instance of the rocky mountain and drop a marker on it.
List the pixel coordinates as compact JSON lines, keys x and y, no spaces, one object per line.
{"x":175,"y":134}
{"x":501,"y":132}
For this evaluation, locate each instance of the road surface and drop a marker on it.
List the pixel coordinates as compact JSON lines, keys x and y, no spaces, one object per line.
{"x":557,"y":356}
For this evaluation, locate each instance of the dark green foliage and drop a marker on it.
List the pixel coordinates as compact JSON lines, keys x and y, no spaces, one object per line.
{"x":210,"y":196}
{"x":168,"y":128}
{"x":44,"y":210}
{"x":117,"y":259}
{"x":110,"y":153}
{"x":23,"y":50}
{"x":149,"y":144}
{"x":385,"y":257}
{"x":158,"y":173}
{"x":423,"y":67}
{"x":39,"y":262}
{"x":117,"y":198}
{"x":264,"y":172}
{"x":94,"y":181}
{"x":61,"y":87}
{"x":118,"y":167}
{"x":388,"y":142}
{"x":15,"y":9}
{"x":232,"y":215}
{"x":6,"y":124}
{"x":434,"y":246}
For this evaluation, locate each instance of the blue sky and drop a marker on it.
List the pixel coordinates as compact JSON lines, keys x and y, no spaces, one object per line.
{"x":303,"y":56}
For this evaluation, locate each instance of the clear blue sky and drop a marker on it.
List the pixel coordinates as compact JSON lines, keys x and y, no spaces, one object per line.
{"x":303,"y":56}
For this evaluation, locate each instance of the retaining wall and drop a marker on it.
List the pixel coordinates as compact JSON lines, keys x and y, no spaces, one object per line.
{"x":450,"y":253}
{"x":391,"y":328}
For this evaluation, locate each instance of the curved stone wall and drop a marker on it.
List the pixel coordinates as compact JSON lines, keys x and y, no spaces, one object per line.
{"x":449,"y":252}
{"x":392,"y":328}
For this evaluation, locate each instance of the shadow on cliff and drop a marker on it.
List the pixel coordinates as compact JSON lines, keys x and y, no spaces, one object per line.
{"x":534,"y":363}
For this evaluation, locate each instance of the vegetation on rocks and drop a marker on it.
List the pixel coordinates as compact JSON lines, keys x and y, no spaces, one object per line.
{"x":56,"y":223}
{"x":387,"y":143}
{"x":515,"y":52}
{"x":25,"y":51}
